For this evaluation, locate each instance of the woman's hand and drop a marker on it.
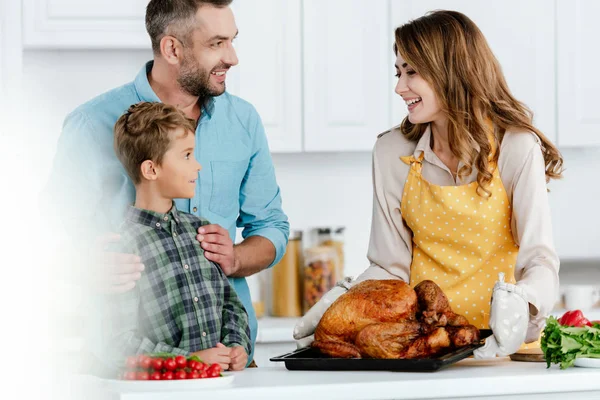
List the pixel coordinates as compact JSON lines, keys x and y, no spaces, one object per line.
{"x":305,"y":328}
{"x":509,"y":319}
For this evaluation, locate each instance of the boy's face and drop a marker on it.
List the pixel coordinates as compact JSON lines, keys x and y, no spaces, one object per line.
{"x":178,"y":172}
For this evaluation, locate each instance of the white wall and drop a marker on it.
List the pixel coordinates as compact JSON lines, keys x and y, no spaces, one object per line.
{"x":317,"y":189}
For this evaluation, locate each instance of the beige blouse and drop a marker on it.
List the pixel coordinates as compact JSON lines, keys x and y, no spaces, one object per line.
{"x":522,"y":170}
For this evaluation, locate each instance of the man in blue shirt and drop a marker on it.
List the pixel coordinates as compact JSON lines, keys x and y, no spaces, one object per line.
{"x":90,"y":190}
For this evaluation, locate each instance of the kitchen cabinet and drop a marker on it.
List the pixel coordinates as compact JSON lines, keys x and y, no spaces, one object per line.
{"x":521,"y":34}
{"x":578,"y":108}
{"x":347,"y":47}
{"x":320,"y":72}
{"x":269,"y":74}
{"x":99,"y":24}
{"x":11,"y":58}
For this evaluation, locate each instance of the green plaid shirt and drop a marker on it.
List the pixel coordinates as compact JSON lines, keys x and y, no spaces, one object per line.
{"x":183,"y":303}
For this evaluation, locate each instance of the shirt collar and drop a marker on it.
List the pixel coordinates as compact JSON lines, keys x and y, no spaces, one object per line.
{"x":424,"y":147}
{"x":145,"y":92}
{"x":151,"y":218}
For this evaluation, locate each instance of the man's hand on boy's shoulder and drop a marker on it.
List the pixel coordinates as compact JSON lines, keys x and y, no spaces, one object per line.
{"x":239,"y":358}
{"x":220,"y":354}
{"x":115,"y":272}
{"x":218,"y":247}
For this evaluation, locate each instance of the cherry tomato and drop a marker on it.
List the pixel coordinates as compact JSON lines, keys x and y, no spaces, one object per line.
{"x":216,"y":367}
{"x":170,"y":364}
{"x":142,"y":376}
{"x":155,"y":376}
{"x":201,"y":366}
{"x":131,"y":362}
{"x":203,"y":374}
{"x":130,"y":375}
{"x":167,"y":376}
{"x":213,"y":373}
{"x":181,"y":361}
{"x":193,"y":374}
{"x":180,"y":374}
{"x":144,"y":361}
{"x":191,"y":364}
{"x":157,"y":363}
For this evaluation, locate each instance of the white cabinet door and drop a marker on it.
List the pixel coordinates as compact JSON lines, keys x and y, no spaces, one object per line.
{"x":578,"y":33}
{"x":269,"y":73}
{"x":85,"y":24}
{"x":347,"y":46}
{"x":521,"y":35}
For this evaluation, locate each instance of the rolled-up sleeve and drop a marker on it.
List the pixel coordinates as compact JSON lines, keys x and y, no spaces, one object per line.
{"x":261,"y":213}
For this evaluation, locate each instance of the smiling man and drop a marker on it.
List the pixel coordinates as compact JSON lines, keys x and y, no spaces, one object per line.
{"x":89,"y":190}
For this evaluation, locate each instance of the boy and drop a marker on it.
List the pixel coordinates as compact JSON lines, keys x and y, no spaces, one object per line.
{"x":183,"y":303}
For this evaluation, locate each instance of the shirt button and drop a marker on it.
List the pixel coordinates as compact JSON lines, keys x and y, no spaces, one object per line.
{"x":204,"y":334}
{"x":196,"y":299}
{"x":174,"y":233}
{"x":158,"y":224}
{"x":166,"y":218}
{"x":186,"y":266}
{"x":195,"y":209}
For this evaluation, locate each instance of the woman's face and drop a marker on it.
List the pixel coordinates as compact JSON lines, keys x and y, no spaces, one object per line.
{"x":422,"y":103}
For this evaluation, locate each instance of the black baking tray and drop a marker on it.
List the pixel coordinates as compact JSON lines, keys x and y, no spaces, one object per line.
{"x":309,"y":359}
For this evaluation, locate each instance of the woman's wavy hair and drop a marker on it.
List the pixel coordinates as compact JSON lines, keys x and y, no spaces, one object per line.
{"x":449,"y":51}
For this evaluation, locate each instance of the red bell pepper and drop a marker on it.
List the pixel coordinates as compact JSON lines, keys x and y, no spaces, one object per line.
{"x":574,"y":318}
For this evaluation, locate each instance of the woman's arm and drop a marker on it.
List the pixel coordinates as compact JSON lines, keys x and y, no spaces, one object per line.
{"x":390,"y":245}
{"x":537,"y":263}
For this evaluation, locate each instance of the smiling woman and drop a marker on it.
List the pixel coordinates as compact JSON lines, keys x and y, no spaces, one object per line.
{"x":460,"y":192}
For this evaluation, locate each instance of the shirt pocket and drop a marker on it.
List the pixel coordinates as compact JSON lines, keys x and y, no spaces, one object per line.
{"x":227,"y":179}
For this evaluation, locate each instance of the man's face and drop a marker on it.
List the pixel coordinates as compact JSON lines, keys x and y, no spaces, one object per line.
{"x":206,"y":62}
{"x":178,"y":172}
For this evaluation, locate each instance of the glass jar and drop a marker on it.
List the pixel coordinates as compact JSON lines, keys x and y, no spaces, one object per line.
{"x":319,"y":274}
{"x":285,"y":289}
{"x":255,"y":289}
{"x":334,"y":237}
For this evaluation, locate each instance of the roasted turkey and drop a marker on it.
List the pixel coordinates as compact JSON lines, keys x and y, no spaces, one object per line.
{"x":389,"y":319}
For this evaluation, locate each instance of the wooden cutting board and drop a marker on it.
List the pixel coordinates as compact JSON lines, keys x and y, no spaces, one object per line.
{"x":528,"y":355}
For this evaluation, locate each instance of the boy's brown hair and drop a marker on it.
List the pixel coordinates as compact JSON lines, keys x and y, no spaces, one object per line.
{"x":142,"y":133}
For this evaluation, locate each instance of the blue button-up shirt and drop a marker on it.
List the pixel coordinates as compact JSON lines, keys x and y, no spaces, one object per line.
{"x":237,"y":188}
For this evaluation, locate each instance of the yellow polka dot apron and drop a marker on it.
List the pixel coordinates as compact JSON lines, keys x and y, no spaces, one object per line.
{"x":461,"y":240}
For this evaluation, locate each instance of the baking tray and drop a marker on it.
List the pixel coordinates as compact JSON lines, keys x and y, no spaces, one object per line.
{"x":309,"y":359}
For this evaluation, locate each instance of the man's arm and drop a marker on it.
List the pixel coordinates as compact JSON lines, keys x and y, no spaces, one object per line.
{"x":266,"y":227}
{"x":71,"y":200}
{"x":252,"y":255}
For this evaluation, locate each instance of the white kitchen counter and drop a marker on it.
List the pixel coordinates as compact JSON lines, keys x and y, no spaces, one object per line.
{"x":472,"y":379}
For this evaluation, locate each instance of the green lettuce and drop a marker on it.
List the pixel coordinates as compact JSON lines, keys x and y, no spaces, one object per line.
{"x":563,"y":344}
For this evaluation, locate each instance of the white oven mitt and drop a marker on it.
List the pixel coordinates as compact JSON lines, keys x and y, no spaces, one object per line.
{"x":305,"y":327}
{"x":509,"y":318}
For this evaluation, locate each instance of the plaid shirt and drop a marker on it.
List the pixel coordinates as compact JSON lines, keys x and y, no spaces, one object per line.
{"x":183,"y":303}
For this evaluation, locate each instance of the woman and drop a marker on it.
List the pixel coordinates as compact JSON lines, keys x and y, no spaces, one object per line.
{"x":460,"y":186}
